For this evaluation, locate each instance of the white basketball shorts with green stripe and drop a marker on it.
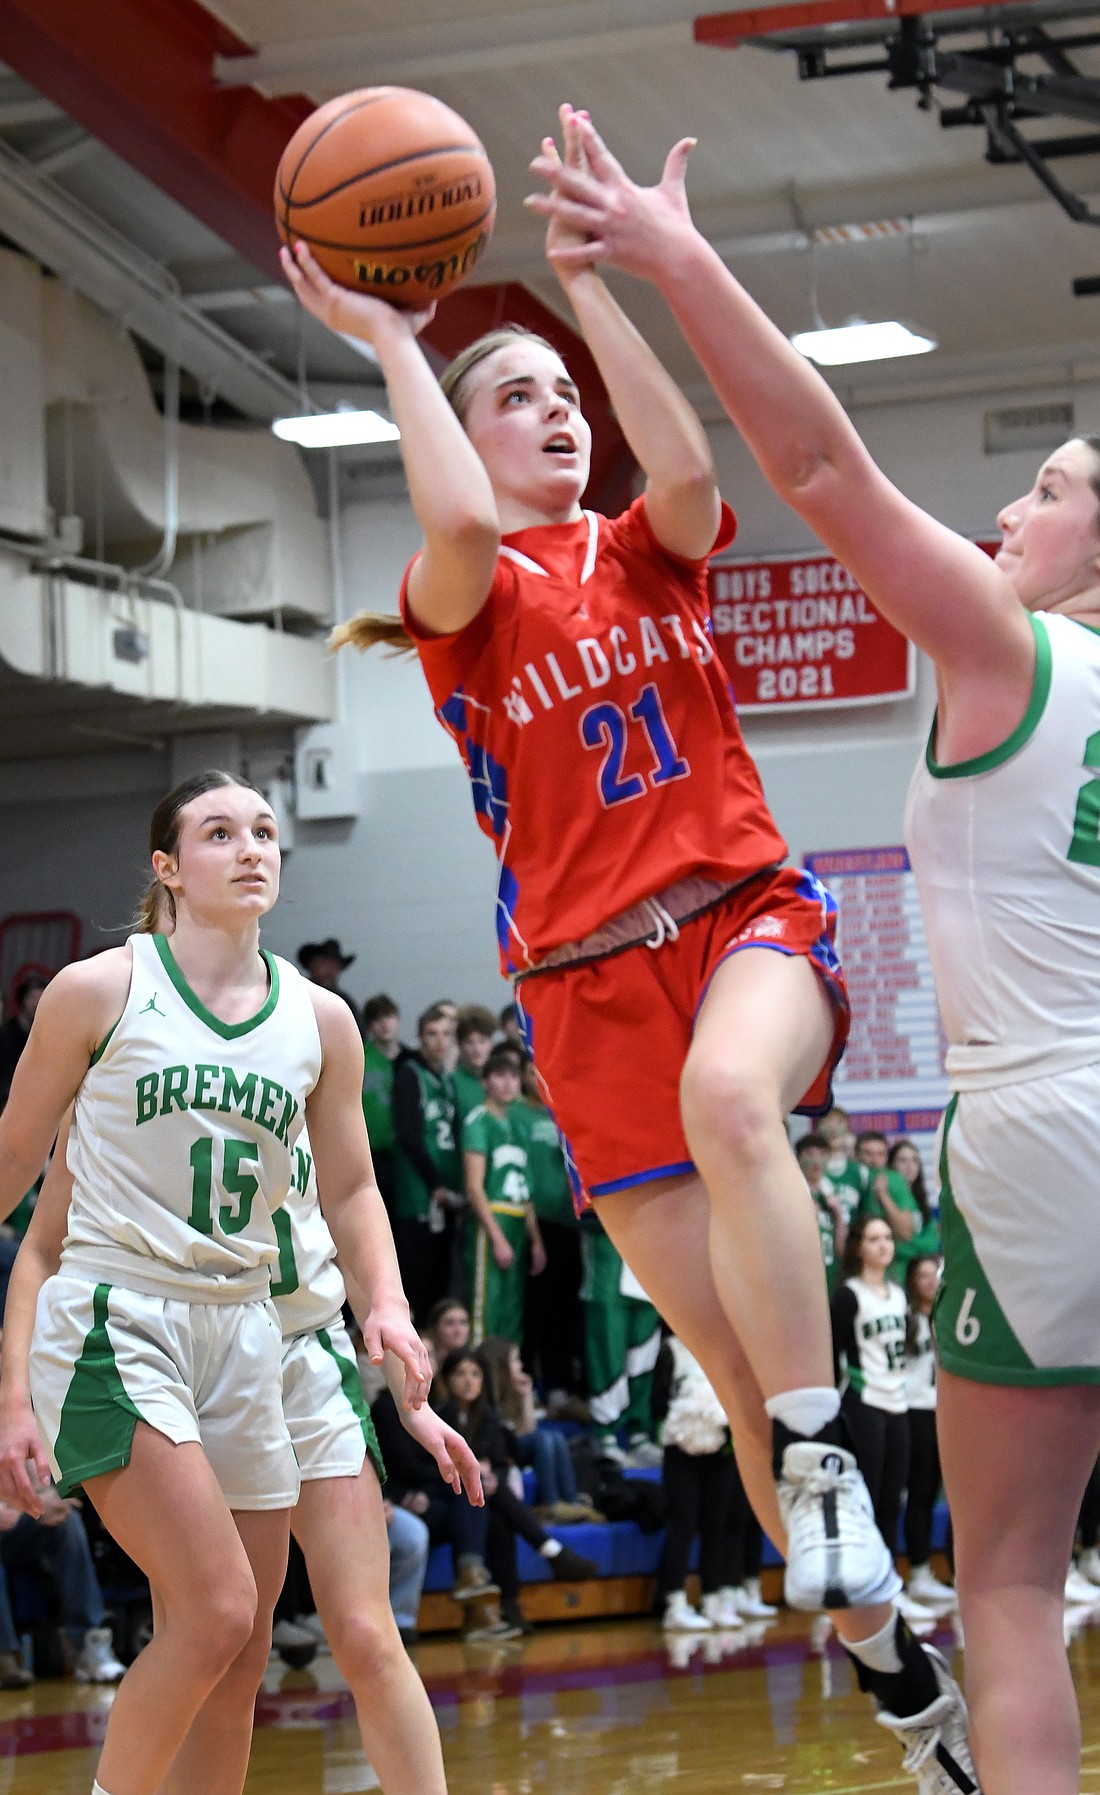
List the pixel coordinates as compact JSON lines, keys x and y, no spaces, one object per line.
{"x":1019,"y":1302}
{"x":104,"y":1358}
{"x":326,"y":1411}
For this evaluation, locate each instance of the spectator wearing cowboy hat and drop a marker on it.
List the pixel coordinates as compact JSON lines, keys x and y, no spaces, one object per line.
{"x":323,"y":962}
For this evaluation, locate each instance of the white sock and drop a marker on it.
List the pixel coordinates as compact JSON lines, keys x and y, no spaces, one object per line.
{"x":550,"y":1549}
{"x":98,"y":1789}
{"x":880,"y":1652}
{"x":805,"y":1412}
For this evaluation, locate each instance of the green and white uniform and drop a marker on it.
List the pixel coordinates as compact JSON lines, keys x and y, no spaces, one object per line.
{"x":497,"y":1297}
{"x":1006,"y":850}
{"x":469,"y":1092}
{"x":622,"y":1337}
{"x":412,"y":1196}
{"x":826,"y":1228}
{"x":181,"y":1147}
{"x":378,"y":1098}
{"x":850,"y":1180}
{"x":546,"y":1171}
{"x":326,"y":1411}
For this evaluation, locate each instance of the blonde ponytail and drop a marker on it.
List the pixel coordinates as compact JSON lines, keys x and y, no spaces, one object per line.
{"x":373,"y":629}
{"x":156,"y":907}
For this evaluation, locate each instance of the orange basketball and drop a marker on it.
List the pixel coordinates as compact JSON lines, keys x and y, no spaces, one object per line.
{"x":391,"y":190}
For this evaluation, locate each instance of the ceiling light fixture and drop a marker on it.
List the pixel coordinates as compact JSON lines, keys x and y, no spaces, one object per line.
{"x":858,"y":342}
{"x":336,"y":429}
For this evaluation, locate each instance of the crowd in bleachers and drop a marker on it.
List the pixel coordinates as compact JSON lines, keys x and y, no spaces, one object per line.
{"x":550,"y":1360}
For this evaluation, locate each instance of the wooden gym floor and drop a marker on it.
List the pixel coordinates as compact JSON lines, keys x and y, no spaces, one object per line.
{"x":603,"y":1708}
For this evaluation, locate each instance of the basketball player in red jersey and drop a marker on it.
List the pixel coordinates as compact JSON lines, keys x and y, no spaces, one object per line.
{"x":570,"y":656}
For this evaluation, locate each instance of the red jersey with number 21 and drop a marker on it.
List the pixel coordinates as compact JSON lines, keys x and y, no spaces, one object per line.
{"x":598,"y":728}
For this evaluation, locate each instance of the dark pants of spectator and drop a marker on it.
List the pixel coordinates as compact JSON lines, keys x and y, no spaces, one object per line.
{"x":62,"y":1551}
{"x":881,"y":1442}
{"x":924,"y":1484}
{"x":553,"y":1340}
{"x":452,"y":1522}
{"x":424,"y":1260}
{"x":296,"y":1597}
{"x":1089,"y":1522}
{"x":509,"y":1518}
{"x":698,"y":1487}
{"x":743,"y":1540}
{"x":547,"y":1452}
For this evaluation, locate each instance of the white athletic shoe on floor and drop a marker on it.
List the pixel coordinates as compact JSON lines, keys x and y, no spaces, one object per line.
{"x":681,"y":1648}
{"x":1089,"y":1565}
{"x":937,"y":1750}
{"x":680,"y":1617}
{"x":918,"y":1619}
{"x":1079,"y":1591}
{"x":751,"y":1603}
{"x":722,"y":1611}
{"x":925,"y":1587}
{"x":97,"y":1662}
{"x":836,"y":1556}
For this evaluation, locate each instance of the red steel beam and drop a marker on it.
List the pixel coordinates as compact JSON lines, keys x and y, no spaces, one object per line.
{"x":727,"y":30}
{"x":138,"y":75}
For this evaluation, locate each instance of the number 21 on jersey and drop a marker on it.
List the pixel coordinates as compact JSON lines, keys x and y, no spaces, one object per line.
{"x":607,"y":726}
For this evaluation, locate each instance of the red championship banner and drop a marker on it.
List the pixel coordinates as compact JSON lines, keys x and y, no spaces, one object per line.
{"x":795,"y":632}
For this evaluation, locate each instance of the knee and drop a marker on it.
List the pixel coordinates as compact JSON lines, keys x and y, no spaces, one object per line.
{"x":364,"y":1644}
{"x":222,"y":1628}
{"x":727,"y":1112}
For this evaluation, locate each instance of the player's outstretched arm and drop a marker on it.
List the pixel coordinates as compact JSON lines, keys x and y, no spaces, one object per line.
{"x":937,"y":587}
{"x":351,"y":1202}
{"x":663,"y":431}
{"x":37,"y":1259}
{"x":448,"y":485}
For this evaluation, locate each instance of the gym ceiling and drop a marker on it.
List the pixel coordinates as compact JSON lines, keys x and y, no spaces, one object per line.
{"x":149,"y":131}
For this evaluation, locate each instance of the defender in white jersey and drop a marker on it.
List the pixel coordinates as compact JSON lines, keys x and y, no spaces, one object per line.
{"x":154,"y":1358}
{"x":339,"y":1519}
{"x":1005,"y":837}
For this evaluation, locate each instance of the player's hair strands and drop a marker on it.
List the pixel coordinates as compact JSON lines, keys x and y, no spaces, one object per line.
{"x":381,"y":629}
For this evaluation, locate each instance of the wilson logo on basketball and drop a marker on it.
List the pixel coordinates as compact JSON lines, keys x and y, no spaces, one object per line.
{"x":429,"y":276}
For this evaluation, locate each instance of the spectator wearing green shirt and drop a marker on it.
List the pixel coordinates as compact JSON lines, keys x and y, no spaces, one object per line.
{"x":850,"y":1180}
{"x":474,"y":1031}
{"x":905,"y":1161}
{"x":502,"y":1238}
{"x":554,"y":1346}
{"x":381,"y":1049}
{"x":891,"y":1199}
{"x":812,"y":1153}
{"x":427,"y":1163}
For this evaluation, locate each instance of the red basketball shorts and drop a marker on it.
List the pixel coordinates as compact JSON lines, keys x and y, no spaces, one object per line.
{"x":610,"y":1036}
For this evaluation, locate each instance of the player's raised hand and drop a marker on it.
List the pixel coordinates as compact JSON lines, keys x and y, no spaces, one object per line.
{"x":351,"y":314}
{"x":592,"y":197}
{"x":559,"y":235}
{"x":457,"y":1464}
{"x":388,"y":1328}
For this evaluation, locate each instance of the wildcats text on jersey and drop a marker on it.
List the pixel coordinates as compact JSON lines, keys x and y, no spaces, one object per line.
{"x":261,"y":1100}
{"x":591,"y":660}
{"x":598,"y":729}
